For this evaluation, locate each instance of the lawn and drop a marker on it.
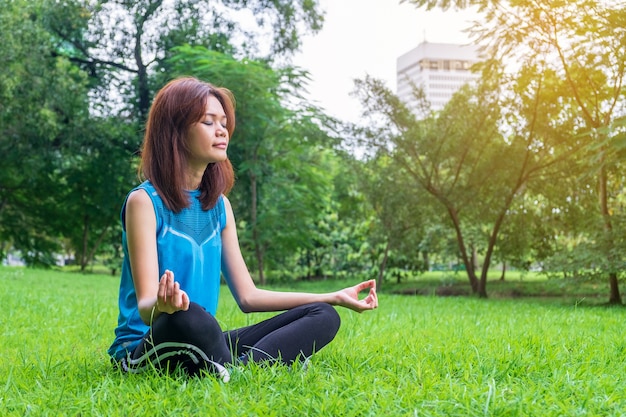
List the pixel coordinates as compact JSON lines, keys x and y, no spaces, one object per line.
{"x":417,"y":355}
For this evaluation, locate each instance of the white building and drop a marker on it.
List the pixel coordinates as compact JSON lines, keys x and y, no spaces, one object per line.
{"x":439,"y":68}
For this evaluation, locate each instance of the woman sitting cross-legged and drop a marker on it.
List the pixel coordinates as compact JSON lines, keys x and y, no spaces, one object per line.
{"x":179,"y":238}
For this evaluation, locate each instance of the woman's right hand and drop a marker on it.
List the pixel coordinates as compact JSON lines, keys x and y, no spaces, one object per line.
{"x":170,"y":298}
{"x":349,"y":297}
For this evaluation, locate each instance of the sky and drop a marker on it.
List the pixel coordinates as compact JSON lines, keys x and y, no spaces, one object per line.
{"x":365,"y":37}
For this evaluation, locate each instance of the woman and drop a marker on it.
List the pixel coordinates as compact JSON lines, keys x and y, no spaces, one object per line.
{"x":179,"y":235}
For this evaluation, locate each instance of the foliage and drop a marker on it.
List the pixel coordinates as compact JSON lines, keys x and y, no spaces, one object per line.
{"x":65,"y":166}
{"x":92,"y":179}
{"x":403,"y":215}
{"x":474,"y":158}
{"x":284,"y":165}
{"x":84,"y":72}
{"x":582,"y":45}
{"x":525,"y":169}
{"x":560,"y":69}
{"x":126,"y":43}
{"x":43,"y":101}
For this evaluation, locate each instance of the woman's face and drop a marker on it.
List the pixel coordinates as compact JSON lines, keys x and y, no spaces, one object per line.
{"x":207,"y":139}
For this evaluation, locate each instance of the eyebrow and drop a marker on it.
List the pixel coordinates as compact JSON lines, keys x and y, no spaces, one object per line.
{"x":215,"y":115}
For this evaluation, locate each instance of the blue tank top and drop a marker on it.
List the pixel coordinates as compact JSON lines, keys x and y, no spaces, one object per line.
{"x":189,"y":243}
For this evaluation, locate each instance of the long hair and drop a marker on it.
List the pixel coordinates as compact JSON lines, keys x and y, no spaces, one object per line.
{"x":178,"y":105}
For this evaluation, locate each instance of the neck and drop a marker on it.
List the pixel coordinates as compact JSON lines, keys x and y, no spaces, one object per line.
{"x":193,"y":182}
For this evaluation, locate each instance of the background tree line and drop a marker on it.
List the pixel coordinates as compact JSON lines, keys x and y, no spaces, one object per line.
{"x":522,"y":169}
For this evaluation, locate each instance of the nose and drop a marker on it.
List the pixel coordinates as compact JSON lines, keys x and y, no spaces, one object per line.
{"x":221,"y":130}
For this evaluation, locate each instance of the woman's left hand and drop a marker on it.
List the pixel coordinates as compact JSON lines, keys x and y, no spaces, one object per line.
{"x":349,"y":297}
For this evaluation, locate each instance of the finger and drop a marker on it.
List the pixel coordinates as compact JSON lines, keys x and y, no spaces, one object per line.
{"x":371,"y":300}
{"x":167,"y":279}
{"x":361,"y":286}
{"x":178,"y":296}
{"x":169,"y":289}
{"x":161,"y":293}
{"x":185,"y":299}
{"x":374,"y":297}
{"x":370,"y":284}
{"x":173,"y":295}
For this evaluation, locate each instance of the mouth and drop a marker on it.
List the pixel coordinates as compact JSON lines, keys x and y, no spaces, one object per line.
{"x":221,"y":145}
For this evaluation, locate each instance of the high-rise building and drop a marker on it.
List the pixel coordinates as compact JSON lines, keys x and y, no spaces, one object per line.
{"x":439,"y":68}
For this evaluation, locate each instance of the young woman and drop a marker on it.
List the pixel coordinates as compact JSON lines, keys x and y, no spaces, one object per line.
{"x":179,"y":236}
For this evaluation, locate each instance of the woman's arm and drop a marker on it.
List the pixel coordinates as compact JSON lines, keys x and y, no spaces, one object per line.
{"x":250,"y":298}
{"x":153,"y":296}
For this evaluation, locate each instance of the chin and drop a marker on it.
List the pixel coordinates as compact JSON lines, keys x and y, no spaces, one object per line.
{"x":219,"y":159}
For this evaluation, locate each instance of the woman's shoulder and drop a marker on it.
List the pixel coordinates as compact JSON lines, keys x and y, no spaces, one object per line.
{"x":138,"y":204}
{"x":138,"y":194}
{"x":144,"y":188}
{"x":139,"y":198}
{"x":144,"y":192}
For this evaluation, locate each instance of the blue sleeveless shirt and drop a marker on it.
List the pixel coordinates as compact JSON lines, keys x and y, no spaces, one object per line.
{"x":189,"y":244}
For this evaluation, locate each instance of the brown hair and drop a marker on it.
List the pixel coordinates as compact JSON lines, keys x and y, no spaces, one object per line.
{"x":179,"y":104}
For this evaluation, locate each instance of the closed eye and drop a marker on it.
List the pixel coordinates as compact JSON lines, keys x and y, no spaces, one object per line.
{"x":210,"y":123}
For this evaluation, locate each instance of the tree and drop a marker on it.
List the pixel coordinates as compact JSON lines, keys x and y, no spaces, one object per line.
{"x":43,"y":98}
{"x":402,"y":213}
{"x":584,"y":43}
{"x":128,"y":41}
{"x":79,"y":82}
{"x":93,"y":176}
{"x":283,"y":172}
{"x":478,"y":154}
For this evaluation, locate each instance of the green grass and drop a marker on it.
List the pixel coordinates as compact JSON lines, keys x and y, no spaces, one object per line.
{"x":414,"y":356}
{"x":528,"y":285}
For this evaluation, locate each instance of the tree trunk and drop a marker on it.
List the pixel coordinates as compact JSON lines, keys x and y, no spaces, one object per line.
{"x":503,"y":270}
{"x":255,"y":231}
{"x":471,"y":274}
{"x":83,"y":250}
{"x":614,"y":294}
{"x":143,"y":92}
{"x":597,"y":123}
{"x":494,"y":237}
{"x":426,"y":260}
{"x":381,"y":271}
{"x":87,"y":255}
{"x":259,"y":259}
{"x":614,"y":297}
{"x":96,"y":245}
{"x":475,"y":265}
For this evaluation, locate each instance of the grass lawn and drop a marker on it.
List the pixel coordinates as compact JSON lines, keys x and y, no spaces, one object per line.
{"x":415,"y":356}
{"x":529,"y":285}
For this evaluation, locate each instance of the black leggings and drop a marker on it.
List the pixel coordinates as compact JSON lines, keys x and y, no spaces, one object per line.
{"x":193,"y":339}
